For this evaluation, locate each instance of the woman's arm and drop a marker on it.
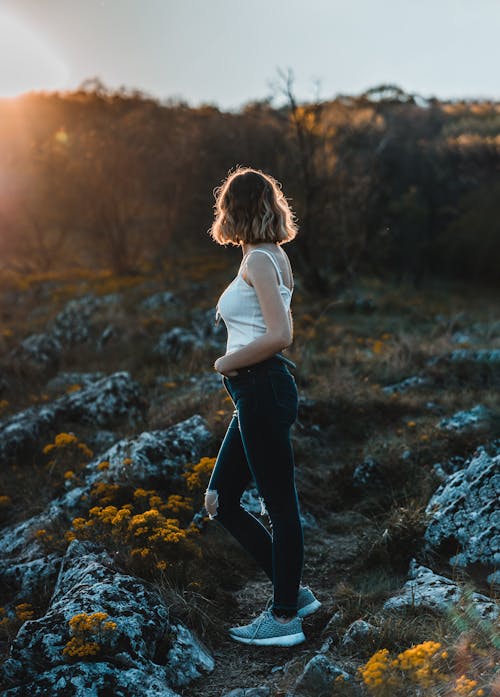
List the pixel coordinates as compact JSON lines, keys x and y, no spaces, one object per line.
{"x":279,"y":329}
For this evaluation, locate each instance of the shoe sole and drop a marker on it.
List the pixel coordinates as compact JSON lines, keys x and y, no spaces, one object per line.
{"x":289,"y":640}
{"x":309,"y":608}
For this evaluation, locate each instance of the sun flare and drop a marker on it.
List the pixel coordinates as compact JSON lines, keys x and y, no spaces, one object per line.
{"x":28,"y":61}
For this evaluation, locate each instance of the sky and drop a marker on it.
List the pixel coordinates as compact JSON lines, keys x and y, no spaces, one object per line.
{"x":230,"y":52}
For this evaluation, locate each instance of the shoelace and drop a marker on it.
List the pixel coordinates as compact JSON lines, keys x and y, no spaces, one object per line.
{"x":263,"y":615}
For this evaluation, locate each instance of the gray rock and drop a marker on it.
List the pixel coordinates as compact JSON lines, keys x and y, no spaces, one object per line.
{"x":159,"y":300}
{"x":431,"y":591}
{"x":464,"y":509}
{"x":204,"y":324}
{"x":360,"y":633}
{"x":102,"y":441}
{"x":477,"y":417}
{"x":88,"y":583}
{"x":317,"y":678}
{"x":105,"y":337}
{"x":187,"y":658}
{"x":155,"y":456}
{"x":490,"y":356}
{"x":406,"y":384}
{"x":368,"y":474}
{"x":72,"y":325}
{"x":42,"y":349}
{"x":461,"y":338}
{"x":93,"y":680}
{"x":101,"y":403}
{"x":262,"y":691}
{"x":452,"y":465}
{"x":176,"y":342}
{"x":64,"y":380}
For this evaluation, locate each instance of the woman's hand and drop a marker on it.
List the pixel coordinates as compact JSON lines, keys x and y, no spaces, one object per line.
{"x":219,"y":367}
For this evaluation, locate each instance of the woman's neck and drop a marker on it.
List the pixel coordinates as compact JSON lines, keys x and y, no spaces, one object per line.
{"x":248,"y":246}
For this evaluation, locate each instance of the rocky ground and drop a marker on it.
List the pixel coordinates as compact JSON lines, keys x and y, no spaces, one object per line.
{"x":398,"y":471}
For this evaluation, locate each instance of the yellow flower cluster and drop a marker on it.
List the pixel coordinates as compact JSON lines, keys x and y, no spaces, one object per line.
{"x":147,"y":534}
{"x":104,"y":491}
{"x":84,"y":628}
{"x":175,"y":503}
{"x":24,"y":611}
{"x":376,"y":672}
{"x":63,"y":440}
{"x":417,"y":660}
{"x":465,"y":686}
{"x":418,"y":664}
{"x":5,"y":500}
{"x":88,"y":623}
{"x":197,"y":475}
{"x":67,"y":449}
{"x":104,"y":465}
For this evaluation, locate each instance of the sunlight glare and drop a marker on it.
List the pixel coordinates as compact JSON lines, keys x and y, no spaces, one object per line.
{"x":28,"y":62}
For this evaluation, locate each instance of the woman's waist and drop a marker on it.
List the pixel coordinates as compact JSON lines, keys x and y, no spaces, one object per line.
{"x":278,"y":360}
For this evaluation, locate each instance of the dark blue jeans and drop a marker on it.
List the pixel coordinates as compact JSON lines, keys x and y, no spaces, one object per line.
{"x":257,"y":446}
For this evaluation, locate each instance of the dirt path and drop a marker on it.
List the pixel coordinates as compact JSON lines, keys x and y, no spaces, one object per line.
{"x":328,"y":558}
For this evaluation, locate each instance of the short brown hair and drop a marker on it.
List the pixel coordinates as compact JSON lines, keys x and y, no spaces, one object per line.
{"x":250,"y":207}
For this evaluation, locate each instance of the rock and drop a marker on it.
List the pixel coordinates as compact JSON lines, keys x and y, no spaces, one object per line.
{"x":187,"y":658}
{"x":176,"y":342}
{"x":206,"y":382}
{"x":42,"y":349}
{"x":360,"y":633}
{"x":107,"y":334}
{"x":88,"y":582}
{"x":262,"y":691}
{"x":318,"y":678}
{"x":452,"y":465}
{"x":477,"y":417}
{"x":464,"y":512}
{"x":405,"y":384}
{"x":90,"y":679}
{"x":102,"y":440}
{"x":477,"y":356}
{"x":368,"y":474}
{"x":72,"y":325}
{"x":431,"y":591}
{"x":461,"y":338}
{"x":334,"y":622}
{"x":159,"y":300}
{"x":155,"y":457}
{"x":62,"y":381}
{"x":101,"y":403}
{"x":204,"y":324}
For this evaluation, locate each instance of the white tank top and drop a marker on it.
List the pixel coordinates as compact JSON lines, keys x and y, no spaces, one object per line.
{"x":240,"y":309}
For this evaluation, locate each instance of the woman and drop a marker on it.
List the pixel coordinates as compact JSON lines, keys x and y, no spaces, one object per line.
{"x":252,"y":211}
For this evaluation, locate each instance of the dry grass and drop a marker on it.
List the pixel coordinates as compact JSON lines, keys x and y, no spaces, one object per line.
{"x":345,"y":355}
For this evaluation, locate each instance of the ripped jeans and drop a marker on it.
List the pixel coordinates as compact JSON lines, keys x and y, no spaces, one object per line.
{"x":257,"y":446}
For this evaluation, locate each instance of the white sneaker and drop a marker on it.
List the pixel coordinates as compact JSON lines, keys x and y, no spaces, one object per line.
{"x":307,"y":603}
{"x":265,"y":630}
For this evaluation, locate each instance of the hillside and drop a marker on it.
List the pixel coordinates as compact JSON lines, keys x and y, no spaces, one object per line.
{"x":111,"y":415}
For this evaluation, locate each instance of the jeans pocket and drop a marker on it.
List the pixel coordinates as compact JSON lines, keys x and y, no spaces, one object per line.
{"x":285,"y":392}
